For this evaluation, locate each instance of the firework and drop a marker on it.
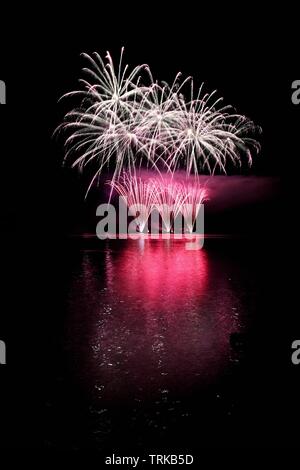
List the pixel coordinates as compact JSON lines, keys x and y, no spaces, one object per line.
{"x":206,"y":135}
{"x":194,"y":196}
{"x":106,"y":125}
{"x":138,"y":195}
{"x":126,"y":119}
{"x":168,"y":197}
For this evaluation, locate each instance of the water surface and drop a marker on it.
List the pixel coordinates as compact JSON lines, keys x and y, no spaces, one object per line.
{"x":150,"y":336}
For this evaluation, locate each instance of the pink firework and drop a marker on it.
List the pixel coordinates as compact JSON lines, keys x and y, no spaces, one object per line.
{"x":194,"y":196}
{"x":138,"y":195}
{"x":169,"y":198}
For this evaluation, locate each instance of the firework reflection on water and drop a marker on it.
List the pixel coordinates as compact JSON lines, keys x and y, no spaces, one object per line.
{"x":158,"y":318}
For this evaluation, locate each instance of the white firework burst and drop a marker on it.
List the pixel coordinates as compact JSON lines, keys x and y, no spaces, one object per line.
{"x":206,"y":135}
{"x":126,"y":119}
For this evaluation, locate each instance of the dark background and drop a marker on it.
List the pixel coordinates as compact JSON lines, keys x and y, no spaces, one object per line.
{"x":251,"y":60}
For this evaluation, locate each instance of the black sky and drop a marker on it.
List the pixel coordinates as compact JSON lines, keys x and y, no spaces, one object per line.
{"x":251,"y":58}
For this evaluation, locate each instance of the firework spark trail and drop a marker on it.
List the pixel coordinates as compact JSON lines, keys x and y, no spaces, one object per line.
{"x":138,"y":195}
{"x":160,"y":116}
{"x":106,"y":125}
{"x":125,"y":118}
{"x":169,"y":198}
{"x":195,"y":195}
{"x":206,"y":135}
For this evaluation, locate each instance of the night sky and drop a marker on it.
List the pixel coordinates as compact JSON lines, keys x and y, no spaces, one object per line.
{"x":251,"y":61}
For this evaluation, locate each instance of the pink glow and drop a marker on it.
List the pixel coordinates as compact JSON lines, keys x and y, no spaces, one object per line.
{"x":168,"y":196}
{"x":158,"y":319}
{"x":183,"y":275}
